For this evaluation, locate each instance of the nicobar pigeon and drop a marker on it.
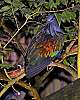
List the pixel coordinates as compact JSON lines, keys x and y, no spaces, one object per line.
{"x":49,"y":39}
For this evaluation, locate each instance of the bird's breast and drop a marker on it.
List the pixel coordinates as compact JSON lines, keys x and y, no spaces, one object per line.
{"x":46,"y":47}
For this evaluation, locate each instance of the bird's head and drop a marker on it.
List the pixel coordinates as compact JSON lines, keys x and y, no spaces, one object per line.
{"x":51,"y":18}
{"x":53,"y":24}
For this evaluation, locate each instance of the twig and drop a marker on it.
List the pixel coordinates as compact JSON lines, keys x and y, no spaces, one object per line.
{"x":20,"y":29}
{"x":67,"y":55}
{"x":15,"y":34}
{"x":64,"y":56}
{"x":53,"y":11}
{"x":33,"y":91}
{"x":71,"y":70}
{"x":70,"y":46}
{"x":10,"y":79}
{"x":7,"y":74}
{"x":11,"y":82}
{"x":67,"y":52}
{"x":1,"y":84}
{"x":71,"y":40}
{"x":56,"y":11}
{"x":18,"y":43}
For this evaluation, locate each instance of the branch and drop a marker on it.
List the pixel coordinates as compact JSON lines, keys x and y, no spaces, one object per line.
{"x":70,"y":46}
{"x":11,"y":82}
{"x":20,"y":28}
{"x":66,"y":54}
{"x":71,"y":70}
{"x":18,"y":43}
{"x":31,"y":89}
{"x":15,"y":34}
{"x":55,"y":11}
{"x":68,"y":51}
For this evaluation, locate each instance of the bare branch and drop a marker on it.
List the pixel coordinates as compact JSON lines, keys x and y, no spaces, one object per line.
{"x":11,"y":82}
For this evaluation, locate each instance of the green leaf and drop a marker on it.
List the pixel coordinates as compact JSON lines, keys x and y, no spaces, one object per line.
{"x":68,"y":64}
{"x":59,"y":17}
{"x":63,"y":1}
{"x":17,"y":4}
{"x":68,"y":15}
{"x":35,"y":5}
{"x":5,"y":8}
{"x":25,"y":11}
{"x":65,"y":62}
{"x":8,"y":13}
{"x":7,"y":66}
{"x":52,"y":5}
{"x":37,"y":29}
{"x":71,"y":60}
{"x":8,"y":1}
{"x":58,"y":2}
{"x":77,"y":1}
{"x":72,"y":0}
{"x":46,"y":5}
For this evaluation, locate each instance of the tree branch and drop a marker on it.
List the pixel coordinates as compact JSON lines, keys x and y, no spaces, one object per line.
{"x":11,"y":82}
{"x":31,"y":89}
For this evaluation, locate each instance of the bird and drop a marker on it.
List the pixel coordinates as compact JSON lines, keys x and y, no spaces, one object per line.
{"x":49,"y":39}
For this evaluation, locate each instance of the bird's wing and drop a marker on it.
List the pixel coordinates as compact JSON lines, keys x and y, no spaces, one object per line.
{"x":38,"y":53}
